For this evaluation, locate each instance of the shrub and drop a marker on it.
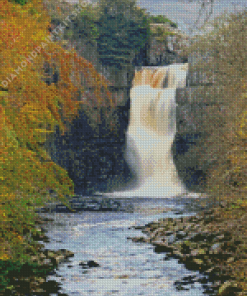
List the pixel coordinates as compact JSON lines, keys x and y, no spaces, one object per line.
{"x":161,"y":19}
{"x":21,"y":2}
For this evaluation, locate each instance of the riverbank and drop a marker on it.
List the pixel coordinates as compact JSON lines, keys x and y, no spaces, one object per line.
{"x":213,"y":242}
{"x":30,"y":278}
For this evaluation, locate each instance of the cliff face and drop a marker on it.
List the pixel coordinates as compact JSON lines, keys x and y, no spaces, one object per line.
{"x":191,"y":110}
{"x":95,"y":162}
{"x":165,"y":45}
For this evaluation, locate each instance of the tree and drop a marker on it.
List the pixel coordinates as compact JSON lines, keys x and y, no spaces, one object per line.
{"x":122,"y":32}
{"x":204,"y":14}
{"x":220,"y":57}
{"x":30,"y":110}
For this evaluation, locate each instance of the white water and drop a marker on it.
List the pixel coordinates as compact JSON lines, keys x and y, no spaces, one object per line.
{"x":152,"y":129}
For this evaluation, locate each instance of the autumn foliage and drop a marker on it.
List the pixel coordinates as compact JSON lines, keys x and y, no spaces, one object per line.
{"x":219,"y":60}
{"x":30,"y":109}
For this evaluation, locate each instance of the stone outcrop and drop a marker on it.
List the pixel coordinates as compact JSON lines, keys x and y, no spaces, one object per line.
{"x":95,"y":162}
{"x":165,"y":46}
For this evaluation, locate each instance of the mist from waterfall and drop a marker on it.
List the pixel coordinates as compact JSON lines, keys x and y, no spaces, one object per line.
{"x":151,"y":131}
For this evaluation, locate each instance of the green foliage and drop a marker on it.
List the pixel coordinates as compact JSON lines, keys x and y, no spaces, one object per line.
{"x":10,"y":269}
{"x":123,"y":31}
{"x":160,"y":33}
{"x":21,"y":2}
{"x":84,"y":25}
{"x":161,"y":19}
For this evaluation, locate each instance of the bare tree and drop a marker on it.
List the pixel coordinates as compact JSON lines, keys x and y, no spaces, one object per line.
{"x":204,"y":14}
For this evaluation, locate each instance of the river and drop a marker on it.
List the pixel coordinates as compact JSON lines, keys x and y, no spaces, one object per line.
{"x":126,"y":267}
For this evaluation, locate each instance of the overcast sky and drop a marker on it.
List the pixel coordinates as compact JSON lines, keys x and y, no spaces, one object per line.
{"x":183,"y":12}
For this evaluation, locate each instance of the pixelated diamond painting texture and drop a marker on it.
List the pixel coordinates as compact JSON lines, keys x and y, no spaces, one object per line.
{"x":123,"y":162}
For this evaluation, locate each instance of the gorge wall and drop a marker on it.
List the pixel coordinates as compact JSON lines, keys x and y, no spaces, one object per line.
{"x":95,"y":162}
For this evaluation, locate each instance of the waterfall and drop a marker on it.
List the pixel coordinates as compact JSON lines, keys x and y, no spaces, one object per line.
{"x":152,"y":129}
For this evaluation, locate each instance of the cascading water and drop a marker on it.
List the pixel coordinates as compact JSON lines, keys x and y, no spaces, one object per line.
{"x":152,"y":129}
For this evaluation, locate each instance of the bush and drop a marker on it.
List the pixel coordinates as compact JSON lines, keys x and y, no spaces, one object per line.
{"x":21,"y":2}
{"x":161,"y":19}
{"x":14,"y":269}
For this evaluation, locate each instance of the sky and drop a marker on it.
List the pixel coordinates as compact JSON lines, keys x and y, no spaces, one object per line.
{"x":183,"y":12}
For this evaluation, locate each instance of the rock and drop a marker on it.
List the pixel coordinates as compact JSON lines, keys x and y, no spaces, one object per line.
{"x":59,"y":259}
{"x":210,"y":270}
{"x":230,"y":260}
{"x":124,"y":276}
{"x":176,"y":253}
{"x":47,"y":262}
{"x":51,"y":254}
{"x":42,"y":256}
{"x":89,"y":264}
{"x":168,"y":233}
{"x":225,"y":288}
{"x":171,"y":239}
{"x":161,"y":246}
{"x":197,"y":261}
{"x":66,"y":253}
{"x":35,"y":258}
{"x":181,"y":234}
{"x":194,"y":263}
{"x":140,"y":239}
{"x":215,"y":248}
{"x":197,"y":252}
{"x":92,"y":263}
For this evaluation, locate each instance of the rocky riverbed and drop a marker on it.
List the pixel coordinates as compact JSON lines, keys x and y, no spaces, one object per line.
{"x":106,"y":262}
{"x":205,"y":243}
{"x":181,"y":253}
{"x":87,"y":203}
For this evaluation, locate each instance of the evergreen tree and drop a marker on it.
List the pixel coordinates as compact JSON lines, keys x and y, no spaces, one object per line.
{"x":123,"y":32}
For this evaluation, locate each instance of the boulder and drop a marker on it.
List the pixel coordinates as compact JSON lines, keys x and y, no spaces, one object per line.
{"x":89,"y":264}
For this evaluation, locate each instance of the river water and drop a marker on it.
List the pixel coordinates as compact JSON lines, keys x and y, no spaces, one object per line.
{"x":126,"y":267}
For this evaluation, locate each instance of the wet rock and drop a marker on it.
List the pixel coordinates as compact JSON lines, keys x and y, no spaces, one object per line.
{"x":181,"y":234}
{"x":215,"y":248}
{"x":47,"y":262}
{"x":161,"y":246}
{"x":230,"y":260}
{"x":178,"y":213}
{"x":124,"y":276}
{"x":50,"y":287}
{"x":169,"y":233}
{"x":59,"y":259}
{"x":194,"y":263}
{"x":197,"y":252}
{"x":138,"y":227}
{"x":140,"y":239}
{"x":171,"y":239}
{"x":225,"y":289}
{"x":177,"y":254}
{"x":89,"y":264}
{"x":66,"y":253}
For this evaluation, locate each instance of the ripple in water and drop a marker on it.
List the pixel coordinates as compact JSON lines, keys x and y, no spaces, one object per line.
{"x":126,"y":268}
